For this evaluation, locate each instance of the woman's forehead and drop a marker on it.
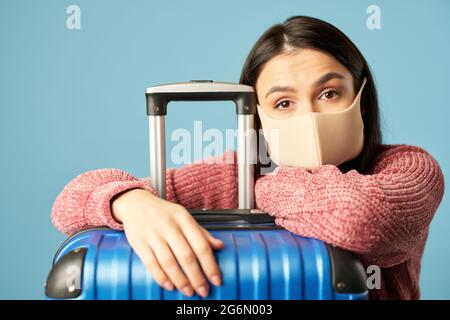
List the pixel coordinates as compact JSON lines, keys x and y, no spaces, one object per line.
{"x":302,"y":65}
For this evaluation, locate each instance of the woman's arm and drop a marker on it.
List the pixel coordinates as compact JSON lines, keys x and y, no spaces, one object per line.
{"x":381,"y":215}
{"x":85,"y":201}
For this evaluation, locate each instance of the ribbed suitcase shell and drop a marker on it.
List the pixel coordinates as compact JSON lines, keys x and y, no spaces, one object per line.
{"x":255,"y":264}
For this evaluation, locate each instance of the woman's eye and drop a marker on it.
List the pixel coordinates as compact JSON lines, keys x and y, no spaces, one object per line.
{"x":329,"y":95}
{"x":283,"y":105}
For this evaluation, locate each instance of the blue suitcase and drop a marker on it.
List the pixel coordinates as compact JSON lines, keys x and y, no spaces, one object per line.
{"x":259,"y":260}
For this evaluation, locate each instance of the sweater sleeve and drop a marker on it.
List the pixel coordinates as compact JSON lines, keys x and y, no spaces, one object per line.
{"x":85,"y":201}
{"x":381,"y":216}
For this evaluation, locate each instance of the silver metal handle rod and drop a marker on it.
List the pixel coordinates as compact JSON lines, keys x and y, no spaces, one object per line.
{"x":157,"y":139}
{"x":246,"y":160}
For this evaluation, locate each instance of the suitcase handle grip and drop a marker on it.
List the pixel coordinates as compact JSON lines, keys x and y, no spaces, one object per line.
{"x":217,"y":216}
{"x":158,"y":97}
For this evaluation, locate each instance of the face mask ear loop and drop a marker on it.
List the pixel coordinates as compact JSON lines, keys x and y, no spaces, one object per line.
{"x":359,"y":95}
{"x":362,"y":88}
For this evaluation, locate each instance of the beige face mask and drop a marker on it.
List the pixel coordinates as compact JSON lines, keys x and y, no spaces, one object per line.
{"x":314,"y":139}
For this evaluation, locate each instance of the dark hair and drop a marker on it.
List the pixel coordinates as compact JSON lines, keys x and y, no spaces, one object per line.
{"x":312,"y":33}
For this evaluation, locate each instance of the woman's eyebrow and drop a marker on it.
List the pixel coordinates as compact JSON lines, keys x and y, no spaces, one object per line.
{"x":279,"y":89}
{"x":328,"y":76}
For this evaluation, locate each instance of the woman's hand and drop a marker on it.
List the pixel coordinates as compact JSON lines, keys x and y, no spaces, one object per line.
{"x":174,"y":248}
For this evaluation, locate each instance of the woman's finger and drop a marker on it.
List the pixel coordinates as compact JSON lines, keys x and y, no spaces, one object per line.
{"x":188,"y":260}
{"x":215,"y":242}
{"x":152,"y":265}
{"x":202,"y":248}
{"x":169,"y":264}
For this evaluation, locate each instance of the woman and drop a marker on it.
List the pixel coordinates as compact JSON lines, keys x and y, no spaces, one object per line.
{"x":376,"y":200}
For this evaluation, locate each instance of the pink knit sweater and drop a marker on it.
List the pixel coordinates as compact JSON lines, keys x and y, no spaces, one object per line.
{"x":383,"y":216}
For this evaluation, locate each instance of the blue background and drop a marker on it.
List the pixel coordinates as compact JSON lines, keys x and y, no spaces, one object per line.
{"x":73,"y":100}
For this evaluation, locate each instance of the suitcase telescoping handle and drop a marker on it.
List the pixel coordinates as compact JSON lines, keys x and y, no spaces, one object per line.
{"x":158,"y":97}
